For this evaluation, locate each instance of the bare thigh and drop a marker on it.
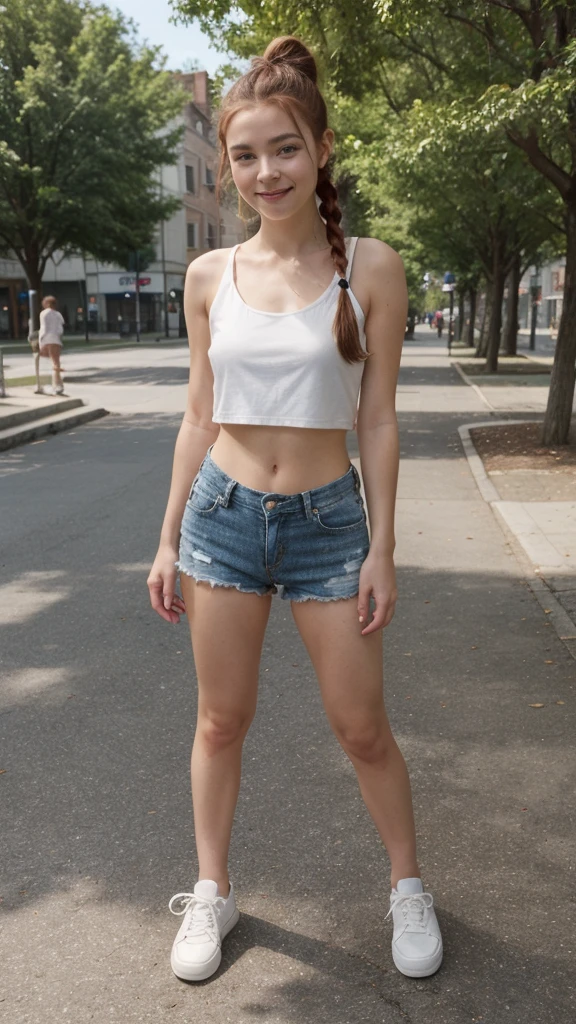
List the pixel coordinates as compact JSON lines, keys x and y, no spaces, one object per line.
{"x":52,"y":352}
{"x":348,"y":665}
{"x":227,"y":629}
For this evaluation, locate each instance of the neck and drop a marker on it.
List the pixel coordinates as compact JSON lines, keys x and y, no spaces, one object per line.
{"x":295,"y":236}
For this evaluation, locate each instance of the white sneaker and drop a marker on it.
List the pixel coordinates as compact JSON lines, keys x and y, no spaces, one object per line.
{"x":208,"y":917}
{"x":416,"y":942}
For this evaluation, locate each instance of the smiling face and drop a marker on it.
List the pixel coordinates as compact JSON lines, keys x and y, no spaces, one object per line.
{"x":274,"y":162}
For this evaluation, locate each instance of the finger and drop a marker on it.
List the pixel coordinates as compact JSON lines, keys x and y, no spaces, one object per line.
{"x":364,"y":601}
{"x":378,"y":616}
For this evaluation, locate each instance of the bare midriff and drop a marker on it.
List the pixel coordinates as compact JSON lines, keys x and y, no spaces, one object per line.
{"x":286,"y":460}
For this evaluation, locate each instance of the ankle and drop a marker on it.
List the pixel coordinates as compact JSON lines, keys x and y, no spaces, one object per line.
{"x":397,"y":875}
{"x":223,"y":883}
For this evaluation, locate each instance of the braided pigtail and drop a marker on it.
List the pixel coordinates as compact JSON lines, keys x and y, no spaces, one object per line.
{"x":345,"y":326}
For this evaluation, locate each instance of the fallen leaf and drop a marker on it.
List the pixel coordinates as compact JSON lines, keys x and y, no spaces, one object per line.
{"x":547,"y":611}
{"x":152,"y":812}
{"x":536,"y":705}
{"x":469,"y":538}
{"x":426,"y":602}
{"x":549,"y":661}
{"x":560,"y":701}
{"x":2,"y":770}
{"x":474,"y":647}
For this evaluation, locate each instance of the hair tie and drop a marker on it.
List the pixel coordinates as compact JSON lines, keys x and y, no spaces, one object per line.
{"x":343,"y":283}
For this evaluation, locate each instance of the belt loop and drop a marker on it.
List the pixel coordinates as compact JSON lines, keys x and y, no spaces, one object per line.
{"x":307,"y":504}
{"x":225,"y":498}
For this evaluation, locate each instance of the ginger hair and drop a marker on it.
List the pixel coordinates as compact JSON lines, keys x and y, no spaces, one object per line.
{"x":49,"y":302}
{"x":286,"y":75}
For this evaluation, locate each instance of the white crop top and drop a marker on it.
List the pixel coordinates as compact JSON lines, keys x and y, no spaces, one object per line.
{"x":282,"y":369}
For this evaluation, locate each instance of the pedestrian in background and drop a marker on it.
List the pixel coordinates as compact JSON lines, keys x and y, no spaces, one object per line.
{"x":50,"y":339}
{"x":440,"y":323}
{"x":279,"y":345}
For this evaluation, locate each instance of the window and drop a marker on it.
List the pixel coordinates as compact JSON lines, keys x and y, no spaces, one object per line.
{"x":210,"y":236}
{"x":192,"y":236}
{"x":209,"y":182}
{"x":199,"y":127}
{"x":190,"y":179}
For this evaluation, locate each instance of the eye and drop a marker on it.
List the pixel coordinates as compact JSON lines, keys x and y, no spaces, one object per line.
{"x":241,"y":157}
{"x":289,"y":146}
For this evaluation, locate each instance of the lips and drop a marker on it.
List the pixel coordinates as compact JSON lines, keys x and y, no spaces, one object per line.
{"x":277,"y":192}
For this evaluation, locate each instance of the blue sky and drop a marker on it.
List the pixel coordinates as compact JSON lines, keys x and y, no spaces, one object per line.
{"x":178,"y":41}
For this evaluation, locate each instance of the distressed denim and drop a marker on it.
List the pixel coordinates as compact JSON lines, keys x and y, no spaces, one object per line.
{"x":307,"y":546}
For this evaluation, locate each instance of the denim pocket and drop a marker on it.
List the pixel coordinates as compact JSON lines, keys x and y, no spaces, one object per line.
{"x":345,"y":514}
{"x":204,"y":496}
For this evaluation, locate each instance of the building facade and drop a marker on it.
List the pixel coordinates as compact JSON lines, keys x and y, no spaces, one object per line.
{"x":106,"y":295}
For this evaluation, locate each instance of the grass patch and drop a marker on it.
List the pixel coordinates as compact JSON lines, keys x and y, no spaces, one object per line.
{"x":24,"y":382}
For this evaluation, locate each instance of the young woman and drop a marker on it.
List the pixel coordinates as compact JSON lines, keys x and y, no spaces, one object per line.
{"x":50,"y":339}
{"x":283,"y":330}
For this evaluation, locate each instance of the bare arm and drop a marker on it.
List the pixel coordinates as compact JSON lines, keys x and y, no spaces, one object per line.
{"x":196,"y":434}
{"x":377,"y":426}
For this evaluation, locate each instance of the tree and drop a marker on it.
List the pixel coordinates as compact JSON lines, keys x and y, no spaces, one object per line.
{"x":85,"y":121}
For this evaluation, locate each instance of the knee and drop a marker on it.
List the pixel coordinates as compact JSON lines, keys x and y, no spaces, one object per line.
{"x":369,"y":741}
{"x":217,"y":730}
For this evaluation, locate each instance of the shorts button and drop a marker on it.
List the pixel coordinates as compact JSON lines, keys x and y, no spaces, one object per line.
{"x":270,"y":504}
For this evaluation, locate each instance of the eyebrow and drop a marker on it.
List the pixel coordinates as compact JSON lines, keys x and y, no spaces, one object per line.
{"x":276,"y":138}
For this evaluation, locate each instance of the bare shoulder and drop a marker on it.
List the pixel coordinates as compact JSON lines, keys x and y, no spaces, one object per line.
{"x":377,"y":274}
{"x":376,"y":256}
{"x":204,"y":275}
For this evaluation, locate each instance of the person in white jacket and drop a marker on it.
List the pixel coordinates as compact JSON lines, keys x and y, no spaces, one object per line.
{"x":50,"y":339}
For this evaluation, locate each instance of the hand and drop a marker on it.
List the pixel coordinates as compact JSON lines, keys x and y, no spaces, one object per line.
{"x":377,"y":578}
{"x":162,"y":585}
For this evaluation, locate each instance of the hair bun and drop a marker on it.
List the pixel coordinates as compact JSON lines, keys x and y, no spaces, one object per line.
{"x":289,"y":50}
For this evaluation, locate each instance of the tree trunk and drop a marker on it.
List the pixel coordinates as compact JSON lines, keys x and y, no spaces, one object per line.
{"x":34,"y":277}
{"x":557,"y":420}
{"x":473,"y":293}
{"x":511,"y":331}
{"x":495,"y":329}
{"x":483,"y":340}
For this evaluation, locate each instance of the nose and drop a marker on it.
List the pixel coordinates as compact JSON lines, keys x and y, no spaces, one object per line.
{"x":267,"y":172}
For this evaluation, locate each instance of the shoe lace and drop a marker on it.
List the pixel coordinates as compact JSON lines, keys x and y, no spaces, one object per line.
{"x":202,"y":917}
{"x":414,"y":907}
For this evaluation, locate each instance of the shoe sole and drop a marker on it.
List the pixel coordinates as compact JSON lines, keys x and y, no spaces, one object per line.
{"x":415,"y":973}
{"x":188,"y":972}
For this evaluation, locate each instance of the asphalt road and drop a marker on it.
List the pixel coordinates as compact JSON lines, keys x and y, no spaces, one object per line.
{"x":97,"y":717}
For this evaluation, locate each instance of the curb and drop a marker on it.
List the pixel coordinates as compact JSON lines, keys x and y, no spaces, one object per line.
{"x":471,"y":384}
{"x":13,"y":436}
{"x":29,"y":413}
{"x":563,"y":624}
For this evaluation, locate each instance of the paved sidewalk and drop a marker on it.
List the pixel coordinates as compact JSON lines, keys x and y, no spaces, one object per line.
{"x":545,"y":530}
{"x":98,"y":707}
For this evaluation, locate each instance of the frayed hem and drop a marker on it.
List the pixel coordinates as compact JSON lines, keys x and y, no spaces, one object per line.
{"x":314,"y":597}
{"x":218,"y":583}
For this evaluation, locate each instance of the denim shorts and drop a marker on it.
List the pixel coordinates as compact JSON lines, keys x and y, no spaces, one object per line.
{"x":307,"y":546}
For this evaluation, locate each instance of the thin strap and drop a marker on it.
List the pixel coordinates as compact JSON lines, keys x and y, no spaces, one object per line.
{"x":351,"y":251}
{"x":229,"y":272}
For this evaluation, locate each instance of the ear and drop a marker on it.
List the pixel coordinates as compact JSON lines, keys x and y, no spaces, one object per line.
{"x":325,"y":147}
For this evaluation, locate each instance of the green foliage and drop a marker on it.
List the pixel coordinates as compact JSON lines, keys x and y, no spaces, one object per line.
{"x":86,"y":119}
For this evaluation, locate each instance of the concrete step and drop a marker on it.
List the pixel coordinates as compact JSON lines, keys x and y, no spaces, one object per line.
{"x":27,"y":413}
{"x":12,"y":436}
